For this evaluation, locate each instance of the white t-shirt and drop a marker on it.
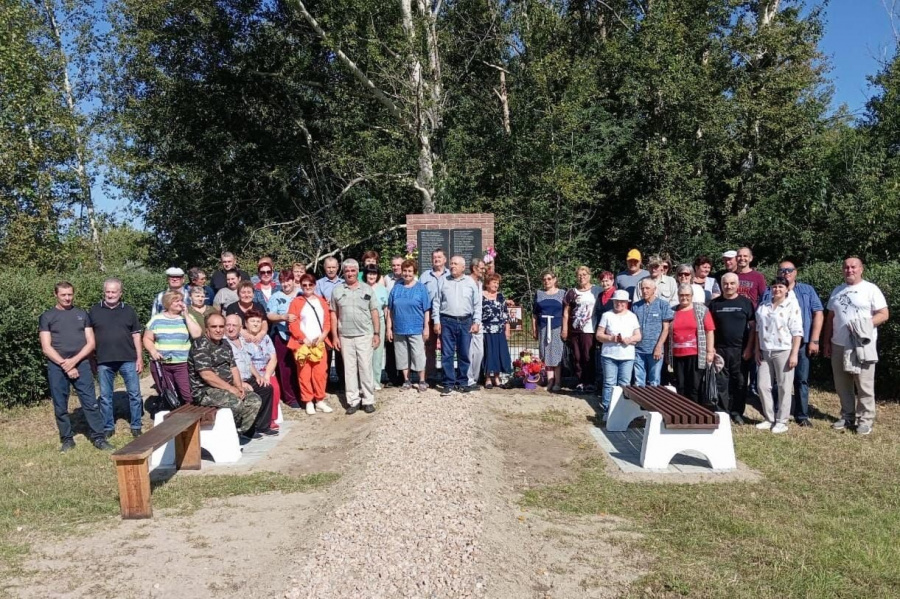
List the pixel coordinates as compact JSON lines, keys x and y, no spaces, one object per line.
{"x":625,"y":324}
{"x":309,"y":324}
{"x":584,"y":309}
{"x":849,"y":302}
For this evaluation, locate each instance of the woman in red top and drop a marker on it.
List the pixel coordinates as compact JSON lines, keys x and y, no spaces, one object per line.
{"x":693,"y":347}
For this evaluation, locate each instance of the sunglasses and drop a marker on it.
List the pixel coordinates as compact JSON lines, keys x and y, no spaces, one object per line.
{"x":787,"y":270}
{"x":265,"y":272}
{"x":307,"y":285}
{"x":684,"y":274}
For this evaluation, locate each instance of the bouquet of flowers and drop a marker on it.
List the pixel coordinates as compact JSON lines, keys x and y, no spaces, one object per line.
{"x":528,"y":368}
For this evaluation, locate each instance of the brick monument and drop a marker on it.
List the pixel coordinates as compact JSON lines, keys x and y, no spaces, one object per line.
{"x":468,"y":235}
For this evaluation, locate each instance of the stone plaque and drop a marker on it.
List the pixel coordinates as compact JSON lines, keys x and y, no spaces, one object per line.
{"x":428,"y":240}
{"x":465,"y":243}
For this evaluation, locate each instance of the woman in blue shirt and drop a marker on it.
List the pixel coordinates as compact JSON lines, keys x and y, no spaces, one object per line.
{"x":408,"y":324}
{"x":546,"y":326}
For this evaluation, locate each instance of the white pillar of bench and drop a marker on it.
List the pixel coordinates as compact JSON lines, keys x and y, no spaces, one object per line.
{"x":661,"y":444}
{"x":220,"y":440}
{"x":621,"y":411}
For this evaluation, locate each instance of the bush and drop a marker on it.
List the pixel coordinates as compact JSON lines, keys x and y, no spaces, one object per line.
{"x":24,"y":295}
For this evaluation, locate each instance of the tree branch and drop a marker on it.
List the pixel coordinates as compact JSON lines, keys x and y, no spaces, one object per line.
{"x":348,"y":62}
{"x":330,"y":254}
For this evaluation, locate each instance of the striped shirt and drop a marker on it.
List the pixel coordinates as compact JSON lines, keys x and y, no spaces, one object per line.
{"x":172,"y":339}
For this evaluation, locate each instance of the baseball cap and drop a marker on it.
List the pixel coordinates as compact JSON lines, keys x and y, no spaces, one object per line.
{"x":729,"y":254}
{"x":633,"y":254}
{"x":620,"y":295}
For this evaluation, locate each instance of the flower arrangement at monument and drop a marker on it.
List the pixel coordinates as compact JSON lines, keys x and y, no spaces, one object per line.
{"x":528,"y":368}
{"x":412,"y":251}
{"x":490,"y":255}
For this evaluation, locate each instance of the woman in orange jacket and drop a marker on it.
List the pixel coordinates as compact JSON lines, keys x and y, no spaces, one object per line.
{"x":309,"y":335}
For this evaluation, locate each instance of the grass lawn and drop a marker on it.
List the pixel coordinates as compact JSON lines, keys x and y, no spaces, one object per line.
{"x":823,"y":522}
{"x":44,"y":493}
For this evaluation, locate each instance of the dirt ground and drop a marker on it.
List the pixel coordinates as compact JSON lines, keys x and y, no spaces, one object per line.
{"x":249,"y":546}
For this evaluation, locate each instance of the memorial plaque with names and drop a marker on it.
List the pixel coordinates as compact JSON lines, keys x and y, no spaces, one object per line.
{"x":429,"y":240}
{"x":465,"y":243}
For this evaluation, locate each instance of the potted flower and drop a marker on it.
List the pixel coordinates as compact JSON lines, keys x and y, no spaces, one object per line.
{"x":528,"y":368}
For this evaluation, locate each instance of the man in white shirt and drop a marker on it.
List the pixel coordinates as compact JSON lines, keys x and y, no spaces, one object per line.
{"x":855,"y":300}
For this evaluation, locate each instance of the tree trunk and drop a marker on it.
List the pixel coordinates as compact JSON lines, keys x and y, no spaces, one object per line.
{"x":84,"y":180}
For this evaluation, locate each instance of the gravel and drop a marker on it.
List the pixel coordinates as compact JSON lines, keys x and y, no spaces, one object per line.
{"x":411,"y":524}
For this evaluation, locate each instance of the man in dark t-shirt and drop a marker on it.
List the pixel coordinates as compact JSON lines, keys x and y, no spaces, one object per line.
{"x":67,"y":340}
{"x":229,"y":262}
{"x":734,"y":317}
{"x":117,"y":333}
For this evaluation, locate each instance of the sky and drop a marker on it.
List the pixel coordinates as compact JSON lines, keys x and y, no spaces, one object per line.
{"x":857,"y":39}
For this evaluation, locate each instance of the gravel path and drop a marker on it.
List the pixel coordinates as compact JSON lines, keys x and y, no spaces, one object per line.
{"x":411,"y":524}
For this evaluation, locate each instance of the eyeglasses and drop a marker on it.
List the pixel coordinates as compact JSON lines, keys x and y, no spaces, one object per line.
{"x":665,"y":267}
{"x":684,"y":274}
{"x":548,"y":278}
{"x":786,"y":270}
{"x":265,"y":272}
{"x":307,"y":285}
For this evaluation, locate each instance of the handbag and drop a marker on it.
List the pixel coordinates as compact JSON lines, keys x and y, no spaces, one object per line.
{"x":709,"y":393}
{"x":169,"y":396}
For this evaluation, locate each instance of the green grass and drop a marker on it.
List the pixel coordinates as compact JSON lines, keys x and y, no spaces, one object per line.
{"x":823,"y":522}
{"x":44,"y":494}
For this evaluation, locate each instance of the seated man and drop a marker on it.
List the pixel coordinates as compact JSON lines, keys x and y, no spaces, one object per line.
{"x":216,"y":380}
{"x":249,"y":375}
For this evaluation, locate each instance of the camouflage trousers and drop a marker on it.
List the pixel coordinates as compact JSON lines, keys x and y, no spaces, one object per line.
{"x":244,"y":410}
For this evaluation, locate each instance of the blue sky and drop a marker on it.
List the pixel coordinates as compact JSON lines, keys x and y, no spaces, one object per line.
{"x":857,"y":38}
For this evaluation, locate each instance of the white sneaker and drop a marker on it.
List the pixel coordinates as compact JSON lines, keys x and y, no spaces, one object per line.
{"x":764,"y":425}
{"x":780,"y":428}
{"x":323,"y":407}
{"x":311,"y":408}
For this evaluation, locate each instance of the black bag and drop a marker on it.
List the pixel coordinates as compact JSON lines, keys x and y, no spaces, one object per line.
{"x":709,"y":393}
{"x":168,"y":395}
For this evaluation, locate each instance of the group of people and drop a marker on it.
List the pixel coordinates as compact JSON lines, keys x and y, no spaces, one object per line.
{"x":749,"y":336}
{"x":251,"y":344}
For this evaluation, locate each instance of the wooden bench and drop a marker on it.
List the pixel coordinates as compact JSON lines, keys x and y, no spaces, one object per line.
{"x":673,"y":424}
{"x":132,"y":468}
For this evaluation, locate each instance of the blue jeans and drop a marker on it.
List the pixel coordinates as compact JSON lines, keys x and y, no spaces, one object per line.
{"x":456,"y":336}
{"x":801,"y":385}
{"x":84,"y":387}
{"x":106,"y":372}
{"x":615,"y":372}
{"x":647,"y":371}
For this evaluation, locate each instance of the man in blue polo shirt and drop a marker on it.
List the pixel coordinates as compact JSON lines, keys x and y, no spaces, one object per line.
{"x":813,"y":313}
{"x":655,"y":317}
{"x":117,"y":333}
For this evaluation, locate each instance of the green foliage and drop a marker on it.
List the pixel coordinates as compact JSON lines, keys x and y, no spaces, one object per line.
{"x":24,"y":295}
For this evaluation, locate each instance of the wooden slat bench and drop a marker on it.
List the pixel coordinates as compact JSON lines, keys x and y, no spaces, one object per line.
{"x":132,"y":467}
{"x":673,"y":424}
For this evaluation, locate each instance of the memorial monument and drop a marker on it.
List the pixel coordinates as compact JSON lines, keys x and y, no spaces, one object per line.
{"x":467,"y":235}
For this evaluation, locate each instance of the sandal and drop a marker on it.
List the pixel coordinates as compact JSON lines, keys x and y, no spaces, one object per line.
{"x":489,"y":385}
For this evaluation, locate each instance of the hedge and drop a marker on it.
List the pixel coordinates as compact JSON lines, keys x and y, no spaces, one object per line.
{"x":27,"y":293}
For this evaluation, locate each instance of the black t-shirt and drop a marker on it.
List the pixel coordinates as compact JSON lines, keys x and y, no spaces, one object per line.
{"x":66,"y":328}
{"x":731,"y":317}
{"x":113,"y":331}
{"x":235,"y":308}
{"x":218,"y":279}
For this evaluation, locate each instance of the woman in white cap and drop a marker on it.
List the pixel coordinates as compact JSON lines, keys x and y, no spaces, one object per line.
{"x":618,"y":331}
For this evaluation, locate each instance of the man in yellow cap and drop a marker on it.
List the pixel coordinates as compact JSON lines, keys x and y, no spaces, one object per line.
{"x":633,"y":273}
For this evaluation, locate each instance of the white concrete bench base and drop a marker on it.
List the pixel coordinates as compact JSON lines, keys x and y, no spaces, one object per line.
{"x":660,"y":444}
{"x":220,"y":440}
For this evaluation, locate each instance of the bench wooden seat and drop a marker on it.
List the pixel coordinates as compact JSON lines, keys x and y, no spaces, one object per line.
{"x":207,"y":413}
{"x":678,"y":412}
{"x":132,"y":468}
{"x":673,"y":424}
